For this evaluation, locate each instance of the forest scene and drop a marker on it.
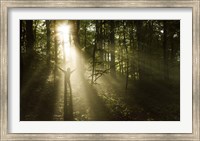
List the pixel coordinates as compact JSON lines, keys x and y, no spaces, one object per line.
{"x":99,"y":70}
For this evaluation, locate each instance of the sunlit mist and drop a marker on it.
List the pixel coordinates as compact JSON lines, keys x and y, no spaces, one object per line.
{"x":64,"y":32}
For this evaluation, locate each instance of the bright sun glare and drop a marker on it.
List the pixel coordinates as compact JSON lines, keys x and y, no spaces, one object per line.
{"x":64,"y":35}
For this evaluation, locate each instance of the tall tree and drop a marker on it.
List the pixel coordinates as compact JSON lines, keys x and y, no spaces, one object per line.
{"x":21,"y":49}
{"x":101,"y":43}
{"x":112,"y":40}
{"x":94,"y":53}
{"x":55,"y":50}
{"x":48,"y":33}
{"x":55,"y":43}
{"x":165,"y":53}
{"x":126,"y":49}
{"x":138,"y":25}
{"x":29,"y":40}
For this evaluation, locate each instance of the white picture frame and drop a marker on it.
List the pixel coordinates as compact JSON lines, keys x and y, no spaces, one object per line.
{"x":5,"y":5}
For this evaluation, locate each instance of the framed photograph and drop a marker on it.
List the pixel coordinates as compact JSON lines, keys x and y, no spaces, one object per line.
{"x":100,"y":70}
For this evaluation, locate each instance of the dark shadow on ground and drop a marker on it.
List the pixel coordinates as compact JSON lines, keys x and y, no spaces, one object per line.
{"x":68,"y":105}
{"x":37,"y":94}
{"x":143,"y":101}
{"x":159,"y":100}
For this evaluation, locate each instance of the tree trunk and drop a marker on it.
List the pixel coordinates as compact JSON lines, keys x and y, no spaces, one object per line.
{"x":165,"y":54}
{"x":112,"y":40}
{"x":126,"y":49}
{"x":30,"y":40}
{"x":94,"y":54}
{"x":132,"y":64}
{"x":48,"y":41}
{"x":120,"y":54}
{"x":101,"y":43}
{"x":21,"y":51}
{"x":139,"y":44}
{"x":85,"y":36}
{"x":55,"y":52}
{"x":77,"y":31}
{"x":149,"y":54}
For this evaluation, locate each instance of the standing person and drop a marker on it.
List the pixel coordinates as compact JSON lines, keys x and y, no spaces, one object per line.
{"x":67,"y":77}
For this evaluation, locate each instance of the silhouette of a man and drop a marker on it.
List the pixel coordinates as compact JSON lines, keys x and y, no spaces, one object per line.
{"x":67,"y":77}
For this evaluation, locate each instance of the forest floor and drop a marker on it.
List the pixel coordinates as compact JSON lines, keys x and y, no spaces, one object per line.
{"x":42,"y":98}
